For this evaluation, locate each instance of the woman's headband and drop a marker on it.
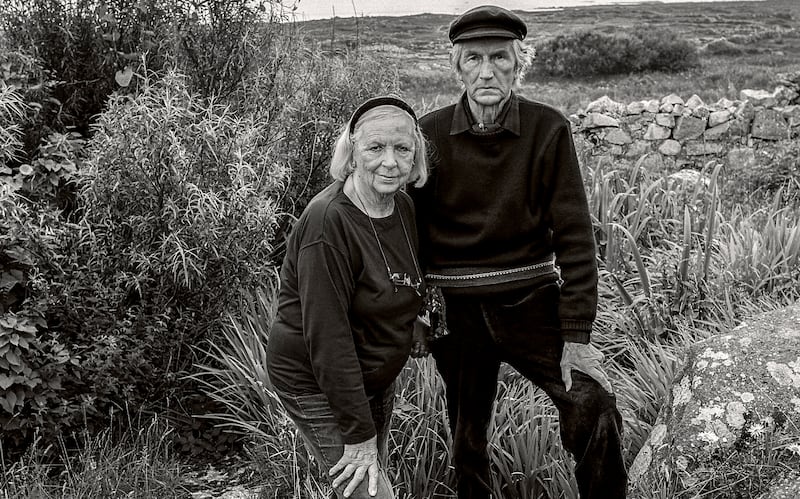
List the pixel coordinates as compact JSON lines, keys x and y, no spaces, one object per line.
{"x":385,"y":100}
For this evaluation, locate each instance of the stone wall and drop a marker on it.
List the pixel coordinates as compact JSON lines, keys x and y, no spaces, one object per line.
{"x":675,"y":134}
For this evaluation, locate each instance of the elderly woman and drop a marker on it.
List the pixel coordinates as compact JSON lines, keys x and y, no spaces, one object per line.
{"x":351,"y":289}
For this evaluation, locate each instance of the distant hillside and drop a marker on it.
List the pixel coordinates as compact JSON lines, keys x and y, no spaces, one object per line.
{"x":425,"y":35}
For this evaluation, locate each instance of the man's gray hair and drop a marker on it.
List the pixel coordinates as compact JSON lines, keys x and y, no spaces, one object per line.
{"x":523,"y":58}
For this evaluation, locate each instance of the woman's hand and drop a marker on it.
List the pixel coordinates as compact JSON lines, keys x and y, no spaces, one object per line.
{"x":419,"y":345}
{"x":357,"y":461}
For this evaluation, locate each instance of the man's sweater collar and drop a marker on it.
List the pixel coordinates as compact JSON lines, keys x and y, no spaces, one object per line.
{"x":463,"y":120}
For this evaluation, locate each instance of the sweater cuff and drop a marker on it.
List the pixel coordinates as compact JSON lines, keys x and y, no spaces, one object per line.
{"x":576,"y":331}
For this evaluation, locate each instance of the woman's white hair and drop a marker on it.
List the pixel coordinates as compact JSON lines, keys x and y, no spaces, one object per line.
{"x":523,"y":58}
{"x":342,"y":160}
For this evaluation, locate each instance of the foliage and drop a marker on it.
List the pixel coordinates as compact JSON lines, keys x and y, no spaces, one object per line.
{"x":177,"y":196}
{"x":90,"y":49}
{"x":82,"y":45}
{"x":590,"y":53}
{"x":34,"y":359}
{"x":137,"y":463}
{"x":323,"y":92}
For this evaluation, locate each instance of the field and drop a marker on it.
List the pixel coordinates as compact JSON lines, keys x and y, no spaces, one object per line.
{"x":764,"y":39}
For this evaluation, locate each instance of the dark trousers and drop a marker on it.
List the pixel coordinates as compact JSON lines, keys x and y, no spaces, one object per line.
{"x":521,"y":328}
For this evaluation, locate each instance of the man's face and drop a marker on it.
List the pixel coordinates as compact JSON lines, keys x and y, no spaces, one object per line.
{"x":487,"y":69}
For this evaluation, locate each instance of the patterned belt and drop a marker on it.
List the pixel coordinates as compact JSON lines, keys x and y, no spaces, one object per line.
{"x":464,"y":278}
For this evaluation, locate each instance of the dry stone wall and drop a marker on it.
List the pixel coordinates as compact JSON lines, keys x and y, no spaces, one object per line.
{"x":674,"y":134}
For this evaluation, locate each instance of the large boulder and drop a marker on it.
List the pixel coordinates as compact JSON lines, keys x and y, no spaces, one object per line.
{"x":731,"y":426}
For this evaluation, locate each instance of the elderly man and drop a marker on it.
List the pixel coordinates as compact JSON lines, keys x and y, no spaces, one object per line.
{"x":507,"y":243}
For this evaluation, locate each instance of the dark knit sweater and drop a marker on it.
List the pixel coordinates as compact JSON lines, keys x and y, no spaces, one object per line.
{"x":341,"y":329}
{"x":509,"y":198}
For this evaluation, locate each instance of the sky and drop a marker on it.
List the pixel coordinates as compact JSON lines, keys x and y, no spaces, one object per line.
{"x":323,"y":9}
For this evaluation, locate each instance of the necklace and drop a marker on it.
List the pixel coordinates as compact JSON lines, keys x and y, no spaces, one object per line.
{"x":396,"y":278}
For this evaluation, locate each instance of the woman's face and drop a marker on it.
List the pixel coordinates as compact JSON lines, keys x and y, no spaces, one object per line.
{"x":383,"y":150}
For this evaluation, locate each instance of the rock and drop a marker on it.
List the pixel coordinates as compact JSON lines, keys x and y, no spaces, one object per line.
{"x":656,"y":132}
{"x":790,"y":114}
{"x":701,"y":148}
{"x":652,"y":106}
{"x":606,"y":105}
{"x":719,"y":117}
{"x":769,"y":124}
{"x":665,"y":119}
{"x":635,"y":107}
{"x":738,"y":127}
{"x":688,"y":127}
{"x":736,"y":395}
{"x":700,"y":112}
{"x":680,"y":110}
{"x":694,"y":102}
{"x":724,"y":103}
{"x":784,"y":95}
{"x":758,"y":97}
{"x":717,"y":132}
{"x":638,"y":149}
{"x":672,"y":99}
{"x":617,"y":137}
{"x":597,"y":120}
{"x":670,"y":148}
{"x":666,"y":108}
{"x":745,"y":111}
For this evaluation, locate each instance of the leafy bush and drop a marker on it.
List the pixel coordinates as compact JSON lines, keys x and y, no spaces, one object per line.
{"x":591,"y":53}
{"x":179,"y":214}
{"x":82,"y":45}
{"x":92,"y":49}
{"x":34,"y":359}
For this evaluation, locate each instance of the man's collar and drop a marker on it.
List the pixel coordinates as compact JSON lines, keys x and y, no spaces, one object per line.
{"x":463,"y":120}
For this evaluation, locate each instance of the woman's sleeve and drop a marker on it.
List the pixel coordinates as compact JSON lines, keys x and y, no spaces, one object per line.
{"x":326,"y":283}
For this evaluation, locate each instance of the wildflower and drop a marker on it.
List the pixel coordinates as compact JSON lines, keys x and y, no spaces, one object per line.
{"x":757,"y":430}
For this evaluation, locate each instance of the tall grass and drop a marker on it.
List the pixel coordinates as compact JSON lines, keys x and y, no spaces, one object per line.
{"x":139,"y":463}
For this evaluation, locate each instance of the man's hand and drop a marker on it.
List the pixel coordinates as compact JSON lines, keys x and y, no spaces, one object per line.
{"x":419,"y":345}
{"x":358,"y":460}
{"x":586,"y":359}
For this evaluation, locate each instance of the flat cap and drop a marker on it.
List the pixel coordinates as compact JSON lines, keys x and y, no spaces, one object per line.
{"x":487,"y":21}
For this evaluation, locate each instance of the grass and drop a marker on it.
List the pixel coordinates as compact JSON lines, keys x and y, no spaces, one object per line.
{"x":138,"y":463}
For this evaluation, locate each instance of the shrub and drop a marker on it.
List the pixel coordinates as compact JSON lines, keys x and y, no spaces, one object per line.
{"x":179,"y":213}
{"x":591,"y":53}
{"x":34,"y":359}
{"x":82,"y":45}
{"x":92,"y":49}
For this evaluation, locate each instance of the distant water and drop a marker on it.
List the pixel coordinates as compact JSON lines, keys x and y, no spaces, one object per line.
{"x":323,"y":9}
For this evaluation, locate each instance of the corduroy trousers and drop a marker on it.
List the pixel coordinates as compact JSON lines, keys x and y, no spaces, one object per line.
{"x":521,"y":328}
